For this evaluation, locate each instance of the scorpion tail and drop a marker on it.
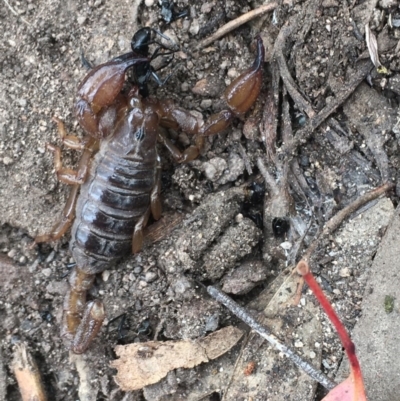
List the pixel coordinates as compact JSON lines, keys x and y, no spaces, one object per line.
{"x":81,"y":321}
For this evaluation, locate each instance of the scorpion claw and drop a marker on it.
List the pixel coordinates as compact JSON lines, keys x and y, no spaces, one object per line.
{"x":100,"y":89}
{"x":241,"y":94}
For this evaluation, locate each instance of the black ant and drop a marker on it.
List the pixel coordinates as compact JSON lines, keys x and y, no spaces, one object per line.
{"x":142,"y":72}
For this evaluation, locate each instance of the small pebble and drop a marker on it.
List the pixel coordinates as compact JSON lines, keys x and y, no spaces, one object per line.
{"x":286,"y":245}
{"x":232,"y":73}
{"x":214,"y":168}
{"x":239,"y":218}
{"x":81,"y":20}
{"x":106,"y":275}
{"x":150,"y":277}
{"x":137,"y":269}
{"x":212,"y":322}
{"x":206,"y":104}
{"x":22,"y":102}
{"x":46,"y":272}
{"x":149,"y":3}
{"x":194,"y":27}
{"x":12,"y":253}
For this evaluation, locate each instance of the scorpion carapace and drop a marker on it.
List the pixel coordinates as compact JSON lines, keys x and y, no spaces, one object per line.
{"x":120,"y":185}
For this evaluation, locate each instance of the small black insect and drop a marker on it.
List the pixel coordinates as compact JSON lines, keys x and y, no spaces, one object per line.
{"x":257,"y":192}
{"x":143,"y":72}
{"x":280,"y":226}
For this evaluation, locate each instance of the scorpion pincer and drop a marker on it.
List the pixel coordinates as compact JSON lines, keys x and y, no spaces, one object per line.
{"x":115,"y":191}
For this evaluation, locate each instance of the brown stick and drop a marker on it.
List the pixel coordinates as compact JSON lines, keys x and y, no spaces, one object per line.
{"x":28,"y":375}
{"x":232,"y":25}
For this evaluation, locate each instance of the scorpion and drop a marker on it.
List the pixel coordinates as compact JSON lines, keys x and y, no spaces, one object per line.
{"x":116,"y":186}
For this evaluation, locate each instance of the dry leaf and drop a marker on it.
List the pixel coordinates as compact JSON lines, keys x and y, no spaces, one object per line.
{"x":142,"y":364}
{"x":372,"y":45}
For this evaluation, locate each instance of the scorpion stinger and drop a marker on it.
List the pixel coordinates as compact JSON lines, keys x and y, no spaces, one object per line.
{"x":119,"y":187}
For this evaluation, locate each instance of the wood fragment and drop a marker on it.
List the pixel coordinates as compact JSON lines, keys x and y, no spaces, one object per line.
{"x":28,"y":376}
{"x":232,"y":25}
{"x":142,"y":364}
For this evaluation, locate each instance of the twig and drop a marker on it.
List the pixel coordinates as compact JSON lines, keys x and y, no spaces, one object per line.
{"x":268,"y":178}
{"x":338,"y":218}
{"x":232,"y":25}
{"x":28,"y":375}
{"x":242,"y":314}
{"x":287,"y":79}
{"x":348,"y":88}
{"x":16,"y":13}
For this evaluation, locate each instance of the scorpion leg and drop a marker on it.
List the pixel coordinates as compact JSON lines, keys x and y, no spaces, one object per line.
{"x":188,"y":154}
{"x":81,"y":321}
{"x":239,"y":96}
{"x":68,"y":213}
{"x":70,"y":141}
{"x":154,"y":210}
{"x":64,"y":223}
{"x":137,"y":240}
{"x":155,"y":202}
{"x":88,"y":145}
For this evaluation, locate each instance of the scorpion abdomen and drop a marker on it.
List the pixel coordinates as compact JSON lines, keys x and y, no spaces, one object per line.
{"x":114,"y":197}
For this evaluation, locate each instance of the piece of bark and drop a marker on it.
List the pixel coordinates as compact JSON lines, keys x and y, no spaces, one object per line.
{"x":142,"y":364}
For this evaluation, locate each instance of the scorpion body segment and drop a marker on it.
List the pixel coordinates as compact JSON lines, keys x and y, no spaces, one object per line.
{"x":119,"y":187}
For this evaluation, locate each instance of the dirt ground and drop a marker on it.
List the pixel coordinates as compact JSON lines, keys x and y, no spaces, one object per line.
{"x":324,"y":131}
